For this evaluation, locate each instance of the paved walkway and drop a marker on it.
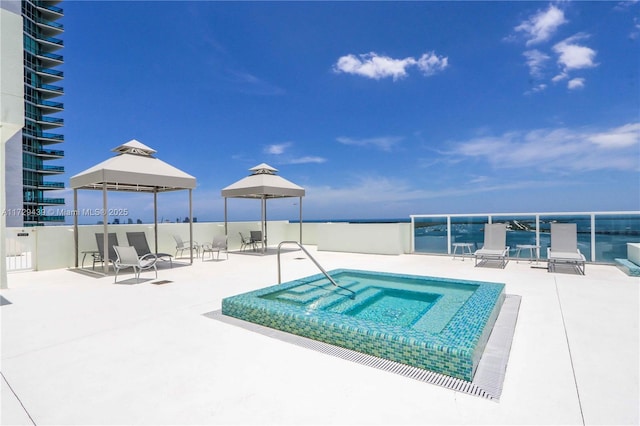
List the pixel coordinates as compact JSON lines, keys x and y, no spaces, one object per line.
{"x":82,"y":350}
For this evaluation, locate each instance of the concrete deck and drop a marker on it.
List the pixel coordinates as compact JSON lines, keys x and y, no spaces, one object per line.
{"x":82,"y":350}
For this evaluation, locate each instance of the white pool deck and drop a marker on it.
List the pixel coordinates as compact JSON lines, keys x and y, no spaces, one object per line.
{"x":79,"y":350}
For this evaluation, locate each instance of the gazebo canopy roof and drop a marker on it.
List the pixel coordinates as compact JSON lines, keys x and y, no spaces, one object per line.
{"x":263,"y":183}
{"x":133,"y":169}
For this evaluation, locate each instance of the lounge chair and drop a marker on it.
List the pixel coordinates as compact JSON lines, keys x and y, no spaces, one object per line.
{"x":495,"y":245}
{"x":219,"y":243}
{"x":181,"y":245}
{"x":564,"y":247}
{"x":139,"y":241}
{"x":256,"y":239}
{"x":128,"y":258}
{"x":112,"y":241}
{"x":245,"y":242}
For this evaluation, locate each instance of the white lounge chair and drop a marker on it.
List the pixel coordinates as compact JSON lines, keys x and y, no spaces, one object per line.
{"x":139,"y":241}
{"x":219,"y":243}
{"x":564,"y":247}
{"x":495,"y":245}
{"x":128,"y":258}
{"x":112,"y":241}
{"x":181,"y":245}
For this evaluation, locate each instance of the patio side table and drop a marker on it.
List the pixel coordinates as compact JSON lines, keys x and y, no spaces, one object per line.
{"x":463,"y":247}
{"x":532,"y":255}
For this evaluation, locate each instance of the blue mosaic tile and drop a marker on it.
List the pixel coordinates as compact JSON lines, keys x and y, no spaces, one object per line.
{"x":438,"y":324}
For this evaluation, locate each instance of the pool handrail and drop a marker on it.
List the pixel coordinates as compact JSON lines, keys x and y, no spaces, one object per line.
{"x":326,"y":274}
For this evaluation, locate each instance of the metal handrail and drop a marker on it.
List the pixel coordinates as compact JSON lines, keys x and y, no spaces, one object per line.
{"x":326,"y":274}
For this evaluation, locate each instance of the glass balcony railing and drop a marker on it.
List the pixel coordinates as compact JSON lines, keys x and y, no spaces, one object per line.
{"x":602,"y":236}
{"x":53,"y":24}
{"x":52,"y":120}
{"x":51,"y":152}
{"x":53,"y":169}
{"x":46,"y":135}
{"x":51,"y":185}
{"x":51,"y":88}
{"x":49,"y":7}
{"x":50,"y":104}
{"x":45,"y":201}
{"x":52,"y":56}
{"x":51,"y":40}
{"x":51,"y":72}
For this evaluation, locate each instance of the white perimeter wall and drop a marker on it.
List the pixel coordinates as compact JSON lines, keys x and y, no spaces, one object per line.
{"x":55,"y":244}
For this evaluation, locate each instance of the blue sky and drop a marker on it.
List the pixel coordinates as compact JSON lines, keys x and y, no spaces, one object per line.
{"x":377,"y":109}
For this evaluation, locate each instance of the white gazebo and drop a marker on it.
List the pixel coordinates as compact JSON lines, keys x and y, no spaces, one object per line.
{"x":134,"y":169}
{"x":263,"y":184}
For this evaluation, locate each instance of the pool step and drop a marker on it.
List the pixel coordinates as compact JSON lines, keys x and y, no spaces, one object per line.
{"x":311,"y":294}
{"x":363,"y":297}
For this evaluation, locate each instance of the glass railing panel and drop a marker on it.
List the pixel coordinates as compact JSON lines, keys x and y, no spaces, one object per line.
{"x":53,"y":56}
{"x":51,"y":87}
{"x":50,"y":71}
{"x":52,"y":184}
{"x":49,"y":7}
{"x":51,"y":136}
{"x":583,"y":223}
{"x":51,"y":23}
{"x":521,"y":231}
{"x":52,"y":169}
{"x":51,"y":120}
{"x":468,"y":229}
{"x":612,"y":233}
{"x":51,"y":104}
{"x":430,"y":234}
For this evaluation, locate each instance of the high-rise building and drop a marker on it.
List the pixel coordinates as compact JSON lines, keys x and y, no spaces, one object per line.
{"x":30,"y":154}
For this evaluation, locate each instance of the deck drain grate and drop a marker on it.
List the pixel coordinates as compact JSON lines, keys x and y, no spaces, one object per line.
{"x":487,"y":381}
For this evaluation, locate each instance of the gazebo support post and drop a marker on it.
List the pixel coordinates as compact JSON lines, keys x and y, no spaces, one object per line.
{"x":226,"y":230}
{"x":191,"y":224}
{"x":75,"y":225}
{"x":264,"y":224}
{"x":105,"y":259}
{"x":155,"y":218}
{"x":300,"y":216}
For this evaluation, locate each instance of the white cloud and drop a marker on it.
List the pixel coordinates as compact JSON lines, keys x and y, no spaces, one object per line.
{"x":430,"y":63}
{"x":277,"y":149}
{"x":307,"y":159}
{"x":535,"y":61}
{"x":575,"y":83}
{"x":372,"y":65}
{"x":559,"y":150}
{"x":620,"y":137}
{"x":572,"y":56}
{"x":385,"y":143}
{"x":541,"y":26}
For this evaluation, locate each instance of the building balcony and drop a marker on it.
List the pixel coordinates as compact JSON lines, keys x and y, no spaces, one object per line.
{"x":44,"y":186}
{"x":48,"y":27}
{"x":49,"y":60}
{"x":49,"y":107}
{"x":50,"y":122}
{"x":45,"y":202}
{"x":50,"y":154}
{"x":49,"y":74}
{"x":35,"y":220}
{"x":49,"y":44}
{"x":52,"y":170}
{"x":49,"y":138}
{"x":49,"y":90}
{"x":49,"y":11}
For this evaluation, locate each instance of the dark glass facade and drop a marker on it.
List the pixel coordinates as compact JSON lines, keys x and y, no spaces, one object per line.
{"x":42,"y":33}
